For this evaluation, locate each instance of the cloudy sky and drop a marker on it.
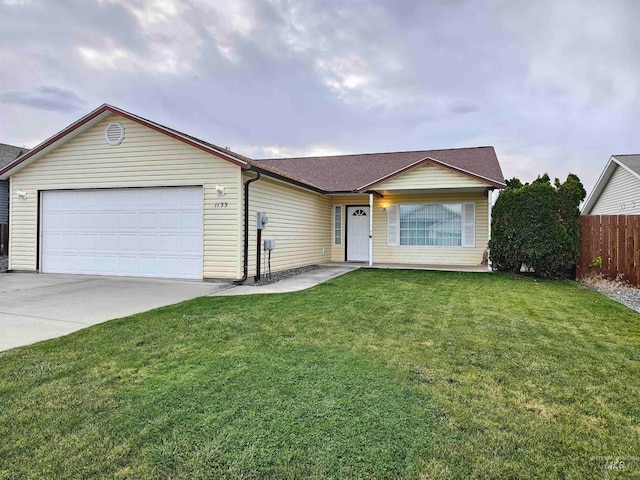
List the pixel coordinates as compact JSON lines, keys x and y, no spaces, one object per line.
{"x":553,"y":85}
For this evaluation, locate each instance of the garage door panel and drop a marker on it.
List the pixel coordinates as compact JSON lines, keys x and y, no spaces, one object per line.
{"x":108,"y":243}
{"x":107,"y":220}
{"x":148,"y":220}
{"x":191,"y":244}
{"x":190,"y":221}
{"x":129,"y":221}
{"x":106,"y":265}
{"x":128,"y":243}
{"x":169,"y":243}
{"x":154,"y":232}
{"x":127,"y":265}
{"x":170,"y":220}
{"x":149,"y":244}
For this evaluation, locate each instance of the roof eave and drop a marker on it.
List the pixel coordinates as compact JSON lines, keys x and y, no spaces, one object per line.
{"x":286,"y":179}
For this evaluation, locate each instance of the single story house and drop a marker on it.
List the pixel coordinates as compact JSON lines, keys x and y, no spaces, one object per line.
{"x":117,"y":194}
{"x":617,"y":191}
{"x":8,"y":153}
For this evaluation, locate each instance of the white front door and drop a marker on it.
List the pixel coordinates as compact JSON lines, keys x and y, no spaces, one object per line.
{"x":358,"y":234}
{"x":142,"y":232}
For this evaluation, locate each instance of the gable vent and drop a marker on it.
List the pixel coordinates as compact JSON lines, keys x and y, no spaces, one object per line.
{"x":114,"y":133}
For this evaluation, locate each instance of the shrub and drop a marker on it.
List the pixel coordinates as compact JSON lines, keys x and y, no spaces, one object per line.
{"x":536,"y":225}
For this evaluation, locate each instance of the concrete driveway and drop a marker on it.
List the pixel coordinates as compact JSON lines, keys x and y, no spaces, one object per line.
{"x":36,"y":307}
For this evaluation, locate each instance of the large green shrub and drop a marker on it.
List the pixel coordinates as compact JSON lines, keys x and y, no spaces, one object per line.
{"x":536,"y":225}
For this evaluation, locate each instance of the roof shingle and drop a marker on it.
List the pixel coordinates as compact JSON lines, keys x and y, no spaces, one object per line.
{"x":630,"y":161}
{"x":8,"y":153}
{"x":347,"y":173}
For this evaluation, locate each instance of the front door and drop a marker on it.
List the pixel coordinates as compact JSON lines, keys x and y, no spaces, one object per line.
{"x":358,"y":234}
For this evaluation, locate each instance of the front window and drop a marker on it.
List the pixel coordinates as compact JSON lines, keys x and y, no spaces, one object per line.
{"x":433,"y":224}
{"x":337,"y":225}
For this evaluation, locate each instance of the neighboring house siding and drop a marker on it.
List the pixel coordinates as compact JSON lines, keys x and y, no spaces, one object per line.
{"x":622,"y":189}
{"x":4,"y":202}
{"x":300,"y":222}
{"x":145,"y":158}
{"x":430,"y":176}
{"x":430,"y":255}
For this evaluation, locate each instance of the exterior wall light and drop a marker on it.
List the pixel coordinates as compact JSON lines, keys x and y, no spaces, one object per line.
{"x":219,"y":190}
{"x":384,"y":208}
{"x":22,"y":195}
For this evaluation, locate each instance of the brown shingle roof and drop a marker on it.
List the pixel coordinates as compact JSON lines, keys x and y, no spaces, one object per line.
{"x":347,"y":173}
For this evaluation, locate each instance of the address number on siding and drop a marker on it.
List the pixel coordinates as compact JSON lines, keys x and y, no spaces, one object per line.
{"x":221,"y":204}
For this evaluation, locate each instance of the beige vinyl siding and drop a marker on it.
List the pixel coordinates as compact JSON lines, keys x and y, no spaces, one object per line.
{"x":337,"y":251}
{"x":623,"y":188}
{"x":423,"y":255}
{"x":299,"y":221}
{"x":145,"y":158}
{"x":432,"y":177}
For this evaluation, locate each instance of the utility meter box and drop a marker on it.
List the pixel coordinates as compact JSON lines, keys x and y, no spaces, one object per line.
{"x":262,"y":221}
{"x":269,"y":245}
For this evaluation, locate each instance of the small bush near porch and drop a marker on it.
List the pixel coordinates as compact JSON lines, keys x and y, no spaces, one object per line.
{"x":377,"y":374}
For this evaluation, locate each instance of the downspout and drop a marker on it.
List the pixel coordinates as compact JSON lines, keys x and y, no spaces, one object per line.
{"x":240,"y":281}
{"x":371,"y":229}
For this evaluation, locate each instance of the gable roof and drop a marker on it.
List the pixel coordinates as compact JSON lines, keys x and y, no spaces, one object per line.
{"x":97,"y":116}
{"x":8,"y":153}
{"x":631,"y":163}
{"x":328,"y":174}
{"x":357,"y":173}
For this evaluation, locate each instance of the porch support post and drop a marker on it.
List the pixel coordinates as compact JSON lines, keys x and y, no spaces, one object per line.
{"x":489,"y":197}
{"x":371,"y":229}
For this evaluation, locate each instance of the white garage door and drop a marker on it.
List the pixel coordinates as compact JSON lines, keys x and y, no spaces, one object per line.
{"x":142,"y":232}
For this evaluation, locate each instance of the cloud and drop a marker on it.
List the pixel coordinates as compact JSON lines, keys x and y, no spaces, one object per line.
{"x":160,"y":40}
{"x":49,"y":98}
{"x":462,"y":107}
{"x":584,"y":50}
{"x":552,"y":85}
{"x":281,"y":151}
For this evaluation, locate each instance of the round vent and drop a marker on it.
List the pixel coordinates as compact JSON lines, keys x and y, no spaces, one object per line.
{"x":114,"y":133}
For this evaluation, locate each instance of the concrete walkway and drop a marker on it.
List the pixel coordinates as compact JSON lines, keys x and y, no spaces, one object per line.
{"x":297,"y":283}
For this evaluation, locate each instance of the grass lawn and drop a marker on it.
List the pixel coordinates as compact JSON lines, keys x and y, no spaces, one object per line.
{"x":376,"y":374}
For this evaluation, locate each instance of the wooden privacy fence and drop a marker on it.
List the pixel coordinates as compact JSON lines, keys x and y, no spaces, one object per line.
{"x":615,"y":240}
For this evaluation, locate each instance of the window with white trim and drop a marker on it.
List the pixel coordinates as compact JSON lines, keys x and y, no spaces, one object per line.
{"x":337,"y":225}
{"x":431,"y":224}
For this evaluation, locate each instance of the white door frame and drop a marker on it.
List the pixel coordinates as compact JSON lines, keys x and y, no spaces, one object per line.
{"x":365,"y":256}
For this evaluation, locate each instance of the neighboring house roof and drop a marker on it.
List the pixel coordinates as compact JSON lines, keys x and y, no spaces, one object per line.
{"x":349,"y":173}
{"x":100,"y":114}
{"x":8,"y":153}
{"x":630,"y":163}
{"x":328,"y":174}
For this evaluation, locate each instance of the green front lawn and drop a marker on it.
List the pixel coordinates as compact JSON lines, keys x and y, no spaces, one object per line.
{"x":376,"y":374}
